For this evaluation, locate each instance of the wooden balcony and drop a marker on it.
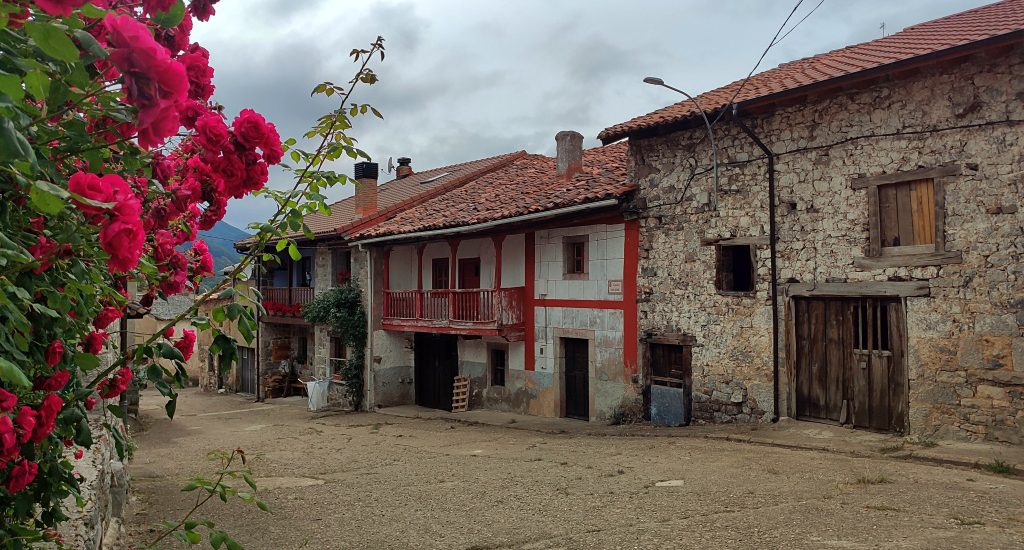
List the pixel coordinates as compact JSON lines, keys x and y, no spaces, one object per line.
{"x":284,"y":304}
{"x":478,"y":311}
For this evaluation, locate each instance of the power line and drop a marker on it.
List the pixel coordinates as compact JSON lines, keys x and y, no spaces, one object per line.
{"x":781,"y":38}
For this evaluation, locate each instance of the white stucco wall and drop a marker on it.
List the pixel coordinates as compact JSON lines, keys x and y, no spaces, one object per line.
{"x":605,"y":259}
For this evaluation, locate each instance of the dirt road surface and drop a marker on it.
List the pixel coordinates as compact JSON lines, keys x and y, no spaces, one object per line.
{"x":368,"y":481}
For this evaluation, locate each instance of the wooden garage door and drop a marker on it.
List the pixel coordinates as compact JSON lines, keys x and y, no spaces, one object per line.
{"x":851,"y":362}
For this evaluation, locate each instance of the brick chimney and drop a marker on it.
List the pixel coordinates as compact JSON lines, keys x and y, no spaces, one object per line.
{"x":366,"y":189}
{"x":569,"y":153}
{"x":404,"y":167}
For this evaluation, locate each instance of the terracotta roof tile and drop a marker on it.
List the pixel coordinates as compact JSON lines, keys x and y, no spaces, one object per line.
{"x":525,"y":186}
{"x":993,"y":20}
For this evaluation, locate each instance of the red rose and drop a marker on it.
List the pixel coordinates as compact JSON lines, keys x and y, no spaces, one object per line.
{"x":107,"y":315}
{"x":200,"y":76}
{"x":62,"y":8}
{"x":204,"y":260}
{"x":55,"y":352}
{"x":202,"y":9}
{"x":79,"y":453}
{"x":272,"y":151}
{"x":55,"y":382}
{"x":47,"y":419}
{"x":122,"y":238}
{"x":169,"y":333}
{"x":211,"y":132}
{"x":8,"y":438}
{"x":190,"y":111}
{"x":7,"y":400}
{"x":186,"y":344}
{"x":114,"y":386}
{"x":250,"y":128}
{"x":21,"y":475}
{"x":26,"y":423}
{"x":93,"y":342}
{"x":90,"y":402}
{"x":44,"y":252}
{"x":154,"y":6}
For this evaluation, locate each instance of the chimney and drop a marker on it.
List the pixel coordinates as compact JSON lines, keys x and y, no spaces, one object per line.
{"x":404,"y":167}
{"x":366,"y":189}
{"x":569,"y":153}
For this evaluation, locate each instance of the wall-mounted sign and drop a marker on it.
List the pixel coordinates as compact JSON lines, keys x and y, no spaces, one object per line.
{"x":615,"y":286}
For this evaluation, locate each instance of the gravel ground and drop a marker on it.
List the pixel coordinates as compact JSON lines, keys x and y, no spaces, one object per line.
{"x":366,"y":481}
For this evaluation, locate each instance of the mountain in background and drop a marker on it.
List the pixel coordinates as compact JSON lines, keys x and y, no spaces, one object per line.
{"x":221,"y":242}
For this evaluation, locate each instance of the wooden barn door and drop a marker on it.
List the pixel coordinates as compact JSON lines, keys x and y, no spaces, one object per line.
{"x":436,"y":364}
{"x":576,"y":359}
{"x":851,"y":362}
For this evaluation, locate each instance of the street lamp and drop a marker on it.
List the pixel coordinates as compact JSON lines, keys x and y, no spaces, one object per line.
{"x":655,"y":81}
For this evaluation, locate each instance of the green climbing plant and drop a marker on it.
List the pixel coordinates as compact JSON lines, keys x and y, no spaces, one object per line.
{"x":341,"y":309}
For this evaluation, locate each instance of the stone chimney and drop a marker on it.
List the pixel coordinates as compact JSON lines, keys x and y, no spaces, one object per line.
{"x":366,"y":189}
{"x":404,"y":167}
{"x":569,"y":153}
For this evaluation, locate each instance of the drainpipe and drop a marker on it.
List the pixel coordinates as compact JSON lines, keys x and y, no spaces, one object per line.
{"x":772,"y":237}
{"x":369,"y":397}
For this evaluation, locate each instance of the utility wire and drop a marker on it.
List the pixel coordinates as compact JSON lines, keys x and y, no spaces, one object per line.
{"x":781,"y":38}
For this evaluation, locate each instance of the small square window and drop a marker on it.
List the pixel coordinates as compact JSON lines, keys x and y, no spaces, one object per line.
{"x":499,"y":365}
{"x":734,"y":268}
{"x":576,"y":256}
{"x":906,"y":215}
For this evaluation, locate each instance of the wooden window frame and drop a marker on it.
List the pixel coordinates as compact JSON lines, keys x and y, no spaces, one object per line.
{"x":568,"y":243}
{"x":491,"y":348}
{"x":718,"y":268}
{"x":446,"y":275}
{"x":877,"y":257}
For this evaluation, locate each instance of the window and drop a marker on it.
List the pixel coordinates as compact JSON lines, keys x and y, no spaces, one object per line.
{"x":338,"y":357}
{"x":871,"y":326}
{"x":906,"y":216}
{"x":342,"y":262}
{"x":499,"y":365}
{"x":576,"y":256}
{"x":439,"y":273}
{"x":670,"y":365}
{"x":734,"y":268}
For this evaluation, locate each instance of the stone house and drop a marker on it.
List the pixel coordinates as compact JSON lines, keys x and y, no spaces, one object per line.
{"x":241,"y":377}
{"x":522,"y":280}
{"x":866,"y":218}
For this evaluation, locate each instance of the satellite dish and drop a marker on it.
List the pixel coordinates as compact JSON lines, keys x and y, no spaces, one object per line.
{"x":391,"y":164}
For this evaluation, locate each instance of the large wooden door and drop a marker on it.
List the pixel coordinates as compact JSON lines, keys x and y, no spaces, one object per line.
{"x":576,"y":357}
{"x":246,"y":370}
{"x":851,"y":362}
{"x":469,"y":272}
{"x":436,"y":364}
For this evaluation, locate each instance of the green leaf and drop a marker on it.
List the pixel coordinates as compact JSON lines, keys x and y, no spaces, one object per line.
{"x":86,"y":361}
{"x":13,"y":145}
{"x":232,"y":545}
{"x":37,"y":84}
{"x":193,"y":537}
{"x":281,"y":245}
{"x":90,"y":44}
{"x":262,"y":505}
{"x":92,"y":11}
{"x":11,"y":86}
{"x":168,"y":351}
{"x":10,"y":373}
{"x":47,"y":197}
{"x":218,"y":538}
{"x":116,"y":410}
{"x":249,"y":481}
{"x":190,"y":524}
{"x":52,"y":40}
{"x":83,"y":433}
{"x":170,"y":406}
{"x":293,"y":251}
{"x":170,"y":18}
{"x":154,"y":372}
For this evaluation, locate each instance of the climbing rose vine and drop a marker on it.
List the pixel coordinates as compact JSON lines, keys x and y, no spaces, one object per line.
{"x":112,"y":156}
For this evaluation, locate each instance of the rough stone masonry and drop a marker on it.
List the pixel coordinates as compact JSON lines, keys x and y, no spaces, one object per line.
{"x":965,"y":339}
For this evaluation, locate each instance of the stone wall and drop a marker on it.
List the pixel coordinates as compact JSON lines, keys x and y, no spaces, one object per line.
{"x":104,"y":489}
{"x":966,"y":351}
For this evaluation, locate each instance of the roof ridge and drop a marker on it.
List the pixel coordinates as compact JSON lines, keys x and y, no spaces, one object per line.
{"x":357,"y":225}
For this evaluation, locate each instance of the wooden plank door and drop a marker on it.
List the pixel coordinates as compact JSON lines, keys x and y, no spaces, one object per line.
{"x":576,"y":360}
{"x":468,"y":305}
{"x":436,"y":364}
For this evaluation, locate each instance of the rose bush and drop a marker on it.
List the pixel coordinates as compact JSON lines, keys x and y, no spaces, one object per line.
{"x":112,"y":158}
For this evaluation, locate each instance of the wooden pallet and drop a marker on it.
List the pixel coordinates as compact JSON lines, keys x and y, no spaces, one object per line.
{"x":460,"y":394}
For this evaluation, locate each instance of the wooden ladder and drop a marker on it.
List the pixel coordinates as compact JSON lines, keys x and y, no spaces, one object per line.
{"x":460,"y":394}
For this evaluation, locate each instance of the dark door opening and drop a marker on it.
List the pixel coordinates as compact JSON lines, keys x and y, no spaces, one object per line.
{"x":576,"y":357}
{"x":436,"y":365}
{"x":851,"y":362}
{"x":246,"y":370}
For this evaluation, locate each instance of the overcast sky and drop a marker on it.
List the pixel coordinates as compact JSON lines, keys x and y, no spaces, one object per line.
{"x":474,"y":78}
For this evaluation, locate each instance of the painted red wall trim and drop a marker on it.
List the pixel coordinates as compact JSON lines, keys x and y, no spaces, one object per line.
{"x":497,"y":240}
{"x":529,"y":335}
{"x":583,"y":304}
{"x":630,"y":316}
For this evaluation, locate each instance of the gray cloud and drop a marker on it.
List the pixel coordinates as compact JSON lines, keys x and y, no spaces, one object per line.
{"x":467,"y":79}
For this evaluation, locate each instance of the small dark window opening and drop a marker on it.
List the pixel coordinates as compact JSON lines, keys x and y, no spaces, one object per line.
{"x":735,"y":268}
{"x":871,"y":327}
{"x":576,"y":256}
{"x":499,"y":364}
{"x":671,"y":365}
{"x":439,"y":273}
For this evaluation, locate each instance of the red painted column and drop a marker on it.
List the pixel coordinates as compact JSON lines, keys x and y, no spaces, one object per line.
{"x":387,"y":281}
{"x":419,"y":280}
{"x":497,"y":260}
{"x":453,"y":245}
{"x":630,"y":316}
{"x":529,"y":338}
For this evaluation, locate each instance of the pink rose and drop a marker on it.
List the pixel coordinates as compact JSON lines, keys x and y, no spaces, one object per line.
{"x":211,"y":132}
{"x":21,"y":476}
{"x":250,"y":128}
{"x":62,"y":8}
{"x":186,"y":344}
{"x":204,"y":260}
{"x":202,"y":9}
{"x":155,"y":6}
{"x":122,"y":239}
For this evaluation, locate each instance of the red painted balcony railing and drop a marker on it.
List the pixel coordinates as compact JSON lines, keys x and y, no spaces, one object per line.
{"x":473,"y":308}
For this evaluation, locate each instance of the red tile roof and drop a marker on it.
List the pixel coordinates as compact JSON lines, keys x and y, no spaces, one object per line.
{"x":994,"y":20}
{"x":395,"y":194}
{"x":525,"y":186}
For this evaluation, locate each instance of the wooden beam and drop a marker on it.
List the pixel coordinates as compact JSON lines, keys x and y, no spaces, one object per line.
{"x":913,"y":260}
{"x":750,"y":241}
{"x":871,"y":288}
{"x":922,"y":173}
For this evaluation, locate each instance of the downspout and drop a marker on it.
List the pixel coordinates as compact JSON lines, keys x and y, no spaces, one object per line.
{"x":369,"y":328}
{"x":772,"y":237}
